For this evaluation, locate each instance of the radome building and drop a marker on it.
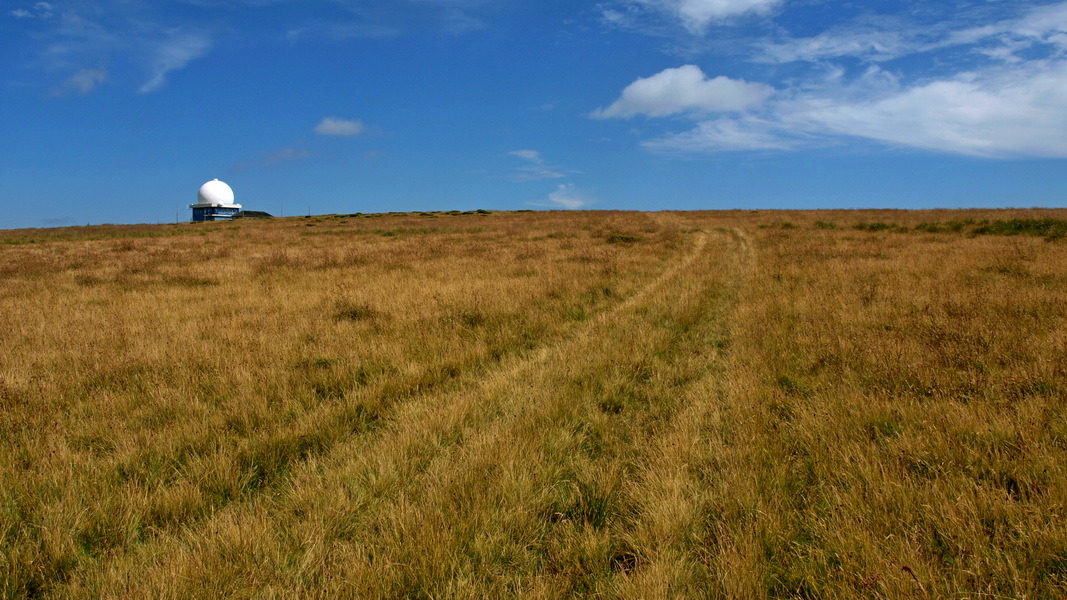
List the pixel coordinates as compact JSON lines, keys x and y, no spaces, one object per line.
{"x":215,"y":202}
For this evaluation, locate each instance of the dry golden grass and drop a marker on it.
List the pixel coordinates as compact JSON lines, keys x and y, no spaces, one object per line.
{"x":734,"y":404}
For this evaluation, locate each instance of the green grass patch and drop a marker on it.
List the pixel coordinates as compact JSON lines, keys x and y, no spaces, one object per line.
{"x":1050,"y":229}
{"x":878,"y":226}
{"x":623,"y":238}
{"x":347,"y":311}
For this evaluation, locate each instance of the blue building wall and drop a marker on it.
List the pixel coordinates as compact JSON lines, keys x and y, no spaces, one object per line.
{"x":213,"y":213}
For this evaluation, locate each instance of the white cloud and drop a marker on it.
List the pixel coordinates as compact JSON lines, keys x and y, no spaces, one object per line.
{"x":173,"y":53}
{"x":884,"y":79}
{"x":1020,"y":111}
{"x":1004,"y":112}
{"x":684,"y":89}
{"x":20,"y":13}
{"x":536,"y":169}
{"x":566,"y":196}
{"x":340,"y":127}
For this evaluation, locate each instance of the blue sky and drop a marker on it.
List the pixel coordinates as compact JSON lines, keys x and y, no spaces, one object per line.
{"x":115,"y":111}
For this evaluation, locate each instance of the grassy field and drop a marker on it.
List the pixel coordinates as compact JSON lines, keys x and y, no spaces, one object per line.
{"x":832,"y":404}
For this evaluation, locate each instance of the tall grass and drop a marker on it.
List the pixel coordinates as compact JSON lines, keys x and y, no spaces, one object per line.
{"x":535,"y":405}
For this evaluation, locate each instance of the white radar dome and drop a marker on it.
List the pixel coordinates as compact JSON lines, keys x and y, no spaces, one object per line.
{"x":215,"y":192}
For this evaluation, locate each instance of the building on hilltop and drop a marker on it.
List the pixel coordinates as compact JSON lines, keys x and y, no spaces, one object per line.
{"x":253,"y":214}
{"x":215,"y":202}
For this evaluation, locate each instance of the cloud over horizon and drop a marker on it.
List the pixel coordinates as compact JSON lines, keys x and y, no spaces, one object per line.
{"x":566,"y":196}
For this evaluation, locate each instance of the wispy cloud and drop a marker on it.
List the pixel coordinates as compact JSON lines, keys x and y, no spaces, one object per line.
{"x":72,"y":39}
{"x":176,"y":51}
{"x":328,"y":126}
{"x":693,"y":15}
{"x":336,"y":126}
{"x":857,"y":42}
{"x":84,"y":81}
{"x":697,"y":14}
{"x":339,"y":31}
{"x":275,"y":158}
{"x":535,"y":168}
{"x":286,"y":155}
{"x":889,"y":39}
{"x":390,"y":18}
{"x":38,"y":10}
{"x":457,"y":21}
{"x":530,"y":155}
{"x":727,"y":134}
{"x":157,"y":39}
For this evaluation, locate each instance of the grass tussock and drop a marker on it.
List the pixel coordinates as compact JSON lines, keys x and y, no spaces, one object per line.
{"x":737,"y":404}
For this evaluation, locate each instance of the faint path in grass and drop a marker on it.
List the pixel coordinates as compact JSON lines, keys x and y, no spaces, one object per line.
{"x":679,"y":482}
{"x":420,"y":429}
{"x":520,"y":440}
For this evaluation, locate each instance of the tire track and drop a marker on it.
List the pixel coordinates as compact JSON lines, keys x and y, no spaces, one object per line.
{"x":451,"y":499}
{"x":673,"y":489}
{"x":423,"y":431}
